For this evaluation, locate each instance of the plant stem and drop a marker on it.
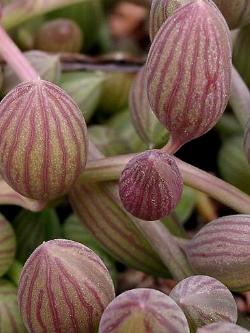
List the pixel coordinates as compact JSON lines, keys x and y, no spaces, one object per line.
{"x":167,"y":248}
{"x":13,"y":56}
{"x":240,"y":98}
{"x":110,"y":168}
{"x":19,"y":11}
{"x":14,"y":272}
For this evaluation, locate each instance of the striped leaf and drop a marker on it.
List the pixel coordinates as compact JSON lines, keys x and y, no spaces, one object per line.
{"x":7,"y":245}
{"x":144,"y":120}
{"x":143,"y":310}
{"x":222,"y":328}
{"x":47,"y":65}
{"x":160,"y":11}
{"x":204,"y":300}
{"x":150,"y":185}
{"x":59,"y":35}
{"x":189,"y":71}
{"x":10,"y":319}
{"x":222,"y":249}
{"x":241,"y":53}
{"x":42,"y":140}
{"x":64,"y":287}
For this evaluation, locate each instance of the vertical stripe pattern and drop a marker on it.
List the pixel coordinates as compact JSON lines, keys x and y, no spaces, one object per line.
{"x":64,"y":287}
{"x":143,"y":118}
{"x":7,"y":245}
{"x":222,"y":328}
{"x":10,"y":319}
{"x":160,"y":11}
{"x":189,"y":71}
{"x":145,"y":311}
{"x":43,"y":142}
{"x":151,"y":185}
{"x":204,"y":300}
{"x":222,"y":249}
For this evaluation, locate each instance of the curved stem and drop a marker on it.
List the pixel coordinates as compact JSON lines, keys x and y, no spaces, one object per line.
{"x":172,"y":146}
{"x":240,"y":98}
{"x":13,"y":56}
{"x":110,"y":168}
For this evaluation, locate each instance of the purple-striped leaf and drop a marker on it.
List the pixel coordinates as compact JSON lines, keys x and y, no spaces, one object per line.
{"x":204,"y":300}
{"x":222,"y":249}
{"x":160,"y":11}
{"x":64,"y":287}
{"x":1,"y":77}
{"x":7,"y":245}
{"x":43,"y":142}
{"x":10,"y":319}
{"x":151,"y":185}
{"x":98,"y":208}
{"x":236,"y":12}
{"x":144,"y":120}
{"x":189,"y":71}
{"x":143,"y":310}
{"x":222,"y":328}
{"x":59,"y":35}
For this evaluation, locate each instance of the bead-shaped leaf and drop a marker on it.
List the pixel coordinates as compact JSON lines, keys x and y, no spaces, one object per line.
{"x":7,"y":245}
{"x":221,"y":249}
{"x":144,"y":120}
{"x":143,"y":310}
{"x":59,"y":35}
{"x":47,"y":65}
{"x":10,"y":319}
{"x":99,"y":209}
{"x":64,"y":286}
{"x":204,"y":300}
{"x":151,"y":185}
{"x":189,"y":71}
{"x":222,"y":328}
{"x":43,"y":140}
{"x":160,"y":11}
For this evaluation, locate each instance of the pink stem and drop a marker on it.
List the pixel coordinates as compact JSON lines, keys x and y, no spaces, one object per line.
{"x":14,"y":57}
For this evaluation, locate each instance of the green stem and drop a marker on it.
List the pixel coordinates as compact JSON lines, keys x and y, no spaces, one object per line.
{"x":14,"y":272}
{"x":240,"y":98}
{"x":19,"y":11}
{"x":107,"y":169}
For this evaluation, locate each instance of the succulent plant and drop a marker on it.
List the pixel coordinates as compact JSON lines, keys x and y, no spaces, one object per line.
{"x":204,"y":300}
{"x":59,"y":35}
{"x":144,"y":120}
{"x":160,"y":11}
{"x":1,"y":77}
{"x":74,"y":230}
{"x":233,"y":165}
{"x":10,"y":319}
{"x":143,"y":310}
{"x":236,"y":12}
{"x":241,"y":53}
{"x":42,"y":159}
{"x":151,"y":185}
{"x":7,"y":245}
{"x":115,"y":92}
{"x":247,"y":141}
{"x":189,"y":81}
{"x":64,"y":286}
{"x":47,"y":65}
{"x":222,"y":328}
{"x":85,"y":88}
{"x":220,"y":249}
{"x":32,"y":229}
